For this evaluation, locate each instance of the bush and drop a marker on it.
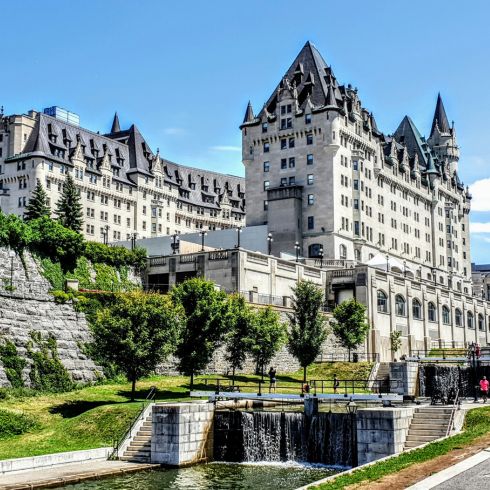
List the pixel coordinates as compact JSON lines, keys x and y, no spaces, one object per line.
{"x":13,"y":364}
{"x":115,"y":256}
{"x":13,"y":423}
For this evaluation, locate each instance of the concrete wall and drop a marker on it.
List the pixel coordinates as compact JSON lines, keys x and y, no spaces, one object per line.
{"x":381,"y":432}
{"x":407,"y":373}
{"x":182,"y":433}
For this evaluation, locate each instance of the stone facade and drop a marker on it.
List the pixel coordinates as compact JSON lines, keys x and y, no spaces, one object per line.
{"x":29,"y":308}
{"x":126,"y":189}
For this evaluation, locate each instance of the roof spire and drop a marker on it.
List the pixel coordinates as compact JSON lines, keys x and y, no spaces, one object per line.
{"x":115,"y":124}
{"x":440,"y":119}
{"x":249,"y":114}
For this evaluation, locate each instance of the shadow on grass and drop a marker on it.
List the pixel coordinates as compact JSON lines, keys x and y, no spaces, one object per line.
{"x":72,"y":409}
{"x":141,"y":395}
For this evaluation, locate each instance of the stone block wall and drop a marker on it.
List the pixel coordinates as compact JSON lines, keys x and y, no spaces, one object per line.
{"x":407,"y":373}
{"x":30,"y":308}
{"x":381,"y":432}
{"x":182,"y":433}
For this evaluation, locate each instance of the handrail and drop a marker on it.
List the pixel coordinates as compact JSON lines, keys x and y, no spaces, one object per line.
{"x":453,"y":412}
{"x":150,"y":398}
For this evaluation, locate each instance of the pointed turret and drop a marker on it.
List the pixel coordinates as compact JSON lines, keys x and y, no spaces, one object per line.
{"x":249,"y":114}
{"x":116,"y":127}
{"x":440,"y":120}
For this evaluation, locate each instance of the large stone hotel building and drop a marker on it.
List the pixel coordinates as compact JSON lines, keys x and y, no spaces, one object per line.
{"x":126,"y":188}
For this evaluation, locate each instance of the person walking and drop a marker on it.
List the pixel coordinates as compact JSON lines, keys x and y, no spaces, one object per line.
{"x":336,"y":384}
{"x":484,"y":388}
{"x":272,"y":380}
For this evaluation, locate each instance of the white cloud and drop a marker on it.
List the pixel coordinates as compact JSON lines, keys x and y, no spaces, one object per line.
{"x":174,"y":131}
{"x":226,"y":148}
{"x":480,"y":227}
{"x":480,"y":191}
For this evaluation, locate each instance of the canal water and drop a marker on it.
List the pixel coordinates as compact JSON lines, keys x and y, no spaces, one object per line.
{"x":216,"y":476}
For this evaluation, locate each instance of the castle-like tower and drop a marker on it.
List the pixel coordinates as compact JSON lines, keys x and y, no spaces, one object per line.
{"x":322,"y":175}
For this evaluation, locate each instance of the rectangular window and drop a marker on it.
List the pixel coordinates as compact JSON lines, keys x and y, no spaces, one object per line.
{"x":284,"y":181}
{"x":356,"y":228}
{"x":292,"y":162}
{"x":311,"y":222}
{"x":309,"y":159}
{"x":284,"y":144}
{"x":266,"y":166}
{"x":266,"y":147}
{"x":307,"y":118}
{"x":310,"y":179}
{"x":264,"y":127}
{"x":311,"y":199}
{"x":284,"y":163}
{"x":291,"y":142}
{"x":356,"y":185}
{"x":356,"y":203}
{"x":292,"y":180}
{"x":266,"y":205}
{"x":309,"y":139}
{"x":266,"y":184}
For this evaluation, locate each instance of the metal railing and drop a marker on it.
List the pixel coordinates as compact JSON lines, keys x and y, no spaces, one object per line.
{"x":456,"y":405}
{"x":349,"y":386}
{"x":117,"y":443}
{"x":344,"y":357}
{"x":444,"y":353}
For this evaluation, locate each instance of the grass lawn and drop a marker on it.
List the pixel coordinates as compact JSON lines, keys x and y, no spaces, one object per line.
{"x":94,"y":416}
{"x":477,"y":426}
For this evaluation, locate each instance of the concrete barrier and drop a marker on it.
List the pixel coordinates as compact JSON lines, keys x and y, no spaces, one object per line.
{"x":47,"y":460}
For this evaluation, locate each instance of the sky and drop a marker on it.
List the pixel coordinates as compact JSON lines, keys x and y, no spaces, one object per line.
{"x":184,"y":71}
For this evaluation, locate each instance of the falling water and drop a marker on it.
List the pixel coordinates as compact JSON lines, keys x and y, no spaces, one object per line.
{"x":283,"y":436}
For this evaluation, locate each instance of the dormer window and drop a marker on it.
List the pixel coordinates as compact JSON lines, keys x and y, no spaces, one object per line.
{"x":265,"y":127}
{"x":307,"y":118}
{"x":286,"y":109}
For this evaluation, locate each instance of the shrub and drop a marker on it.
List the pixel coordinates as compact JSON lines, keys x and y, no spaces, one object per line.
{"x":53,"y":273}
{"x":13,"y":423}
{"x":13,"y":364}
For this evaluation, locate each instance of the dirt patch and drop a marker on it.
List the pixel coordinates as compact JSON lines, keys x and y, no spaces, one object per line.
{"x":419,"y":471}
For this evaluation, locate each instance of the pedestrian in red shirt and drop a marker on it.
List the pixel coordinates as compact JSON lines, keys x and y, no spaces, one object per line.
{"x":484,"y":388}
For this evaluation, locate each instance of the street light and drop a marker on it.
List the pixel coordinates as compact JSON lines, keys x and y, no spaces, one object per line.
{"x":351,"y":408}
{"x":106,"y":234}
{"x":203,"y":234}
{"x":175,"y":243}
{"x":404,"y":268}
{"x":238,"y":231}
{"x":12,"y":256}
{"x":133,"y":240}
{"x":387,"y":263}
{"x":321,"y":256}
{"x":297,"y":248}
{"x":269,"y":245}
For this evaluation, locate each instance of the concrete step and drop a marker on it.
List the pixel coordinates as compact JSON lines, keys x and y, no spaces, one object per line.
{"x":421,"y":439}
{"x":142,"y":438}
{"x":137,"y":453}
{"x":135,"y":459}
{"x":431,"y":421}
{"x":434,"y":410}
{"x":144,"y":432}
{"x":138,"y":445}
{"x":427,"y":431}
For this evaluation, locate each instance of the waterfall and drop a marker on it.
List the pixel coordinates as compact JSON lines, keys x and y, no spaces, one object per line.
{"x":283,"y":436}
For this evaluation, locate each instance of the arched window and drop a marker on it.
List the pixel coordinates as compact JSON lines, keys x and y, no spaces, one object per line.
{"x":400,"y":305}
{"x":357,"y":255}
{"x":416,"y":309}
{"x":314,"y":250}
{"x":432,"y":312}
{"x":382,"y":301}
{"x":470,"y":321}
{"x":458,"y":316}
{"x":343,"y":251}
{"x":481,"y":323}
{"x":446,"y":316}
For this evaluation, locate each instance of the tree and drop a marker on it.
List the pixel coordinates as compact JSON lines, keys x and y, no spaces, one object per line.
{"x":37,"y":206}
{"x":136,"y":332}
{"x":349,"y":325}
{"x":307,"y":324}
{"x":268,"y":335}
{"x":395,"y":340}
{"x":206,"y":314}
{"x":239,"y":341}
{"x":14,"y":232}
{"x":69,"y":208}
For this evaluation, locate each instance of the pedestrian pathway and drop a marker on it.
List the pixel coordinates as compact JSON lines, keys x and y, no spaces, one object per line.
{"x":473,"y":472}
{"x":69,"y":473}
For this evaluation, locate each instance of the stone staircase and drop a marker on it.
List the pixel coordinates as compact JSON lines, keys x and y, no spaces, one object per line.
{"x":428,"y":424}
{"x":383,"y":377}
{"x":139,"y":449}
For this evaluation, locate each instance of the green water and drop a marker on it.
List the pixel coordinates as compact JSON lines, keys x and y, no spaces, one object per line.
{"x":215,"y":476}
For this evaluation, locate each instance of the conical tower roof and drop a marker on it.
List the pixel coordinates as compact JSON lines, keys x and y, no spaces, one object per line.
{"x":440,"y":119}
{"x":116,"y":127}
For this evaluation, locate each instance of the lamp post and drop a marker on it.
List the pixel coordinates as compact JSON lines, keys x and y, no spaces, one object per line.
{"x":203,"y":234}
{"x":404,"y":268}
{"x":175,"y":243}
{"x":12,"y":256}
{"x":106,"y":234}
{"x":351,"y":408}
{"x":475,"y":369}
{"x":387,"y":263}
{"x":321,"y":256}
{"x":434,"y":276}
{"x":269,"y":243}
{"x":133,"y":240}
{"x":297,"y":248}
{"x":238,"y":231}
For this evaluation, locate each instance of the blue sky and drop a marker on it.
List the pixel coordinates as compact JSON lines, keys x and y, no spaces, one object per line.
{"x":184,"y":71}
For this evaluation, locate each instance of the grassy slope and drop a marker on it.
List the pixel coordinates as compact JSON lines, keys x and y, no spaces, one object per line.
{"x":92,"y":417}
{"x":477,"y":424}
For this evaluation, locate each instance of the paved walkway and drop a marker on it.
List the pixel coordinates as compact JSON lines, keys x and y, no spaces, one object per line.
{"x":67,"y":473}
{"x":472,"y":473}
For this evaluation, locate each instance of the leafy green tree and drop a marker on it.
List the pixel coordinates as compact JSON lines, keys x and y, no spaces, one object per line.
{"x":239,"y":341}
{"x":206,"y":323}
{"x":395,"y":341}
{"x":37,"y":206}
{"x":136,"y":332}
{"x":349,"y":324}
{"x":14,"y":233}
{"x":69,"y":208}
{"x":307,"y":330}
{"x":268,"y":336}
